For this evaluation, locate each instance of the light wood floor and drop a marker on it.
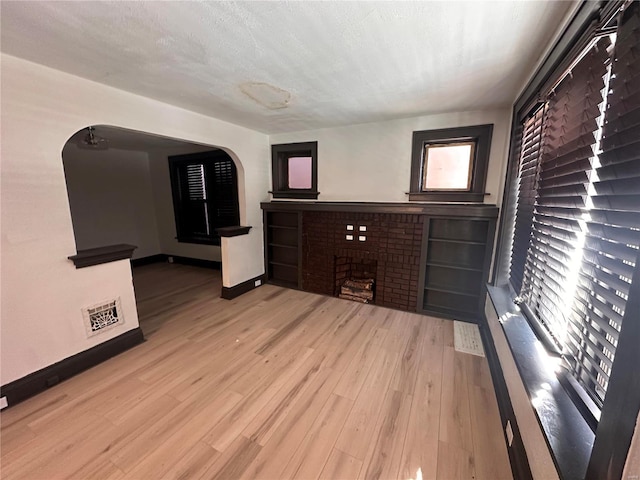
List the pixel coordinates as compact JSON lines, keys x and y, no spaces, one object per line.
{"x":274,"y":384}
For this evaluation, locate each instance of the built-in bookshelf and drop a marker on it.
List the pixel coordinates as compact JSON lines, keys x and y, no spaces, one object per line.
{"x":456,"y":257}
{"x":282,"y":248}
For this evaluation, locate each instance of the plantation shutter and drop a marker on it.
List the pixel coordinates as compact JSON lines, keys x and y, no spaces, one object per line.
{"x":205,"y":194}
{"x":223,"y":195}
{"x":568,"y":142}
{"x":528,"y":145}
{"x":612,"y":231}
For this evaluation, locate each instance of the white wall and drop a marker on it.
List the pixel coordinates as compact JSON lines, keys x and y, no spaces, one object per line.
{"x":372,"y":162}
{"x":163,"y":200}
{"x":111,"y":199}
{"x":42,"y":291}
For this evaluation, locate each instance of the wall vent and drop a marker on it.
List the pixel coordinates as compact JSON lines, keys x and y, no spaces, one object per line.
{"x":103,"y":316}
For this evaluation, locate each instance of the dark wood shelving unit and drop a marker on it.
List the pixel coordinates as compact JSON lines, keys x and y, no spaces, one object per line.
{"x":283,"y":247}
{"x":456,"y":254}
{"x":432,"y":258}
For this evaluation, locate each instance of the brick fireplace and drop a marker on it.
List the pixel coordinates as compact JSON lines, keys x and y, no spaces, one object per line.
{"x":382,"y":246}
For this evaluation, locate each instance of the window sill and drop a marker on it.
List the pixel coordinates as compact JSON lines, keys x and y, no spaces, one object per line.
{"x":306,"y":195}
{"x":568,"y":435}
{"x":447,"y":196}
{"x":200,"y":241}
{"x":232,"y":231}
{"x":97,"y":256}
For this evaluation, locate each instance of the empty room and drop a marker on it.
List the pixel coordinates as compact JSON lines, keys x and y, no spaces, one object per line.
{"x":320,"y":240}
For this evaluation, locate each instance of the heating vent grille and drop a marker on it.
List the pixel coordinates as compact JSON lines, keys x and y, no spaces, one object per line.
{"x":102,"y":316}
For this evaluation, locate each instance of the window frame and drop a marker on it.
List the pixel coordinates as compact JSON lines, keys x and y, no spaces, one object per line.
{"x":480,"y":135}
{"x":603,"y":451}
{"x":280,"y":155}
{"x":207,"y":159}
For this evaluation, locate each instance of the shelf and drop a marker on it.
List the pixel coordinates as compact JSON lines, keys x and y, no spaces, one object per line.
{"x":282,"y":264}
{"x":280,"y":245}
{"x":464,"y":242}
{"x":438,"y":288}
{"x":455,"y":267}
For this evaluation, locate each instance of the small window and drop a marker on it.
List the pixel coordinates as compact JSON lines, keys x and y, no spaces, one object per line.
{"x":205,"y":195}
{"x":295,"y":170}
{"x":450,"y":165}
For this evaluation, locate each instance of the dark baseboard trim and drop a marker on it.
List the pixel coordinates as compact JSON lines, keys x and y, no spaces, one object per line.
{"x":517,"y":453}
{"x":37,"y":382}
{"x":159,"y":258}
{"x":229,"y":293}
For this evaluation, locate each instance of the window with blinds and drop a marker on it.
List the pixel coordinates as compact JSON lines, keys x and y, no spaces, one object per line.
{"x":205,"y":195}
{"x":577,"y":219}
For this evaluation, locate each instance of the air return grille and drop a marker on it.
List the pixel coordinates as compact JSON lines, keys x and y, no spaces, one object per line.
{"x":103,"y":316}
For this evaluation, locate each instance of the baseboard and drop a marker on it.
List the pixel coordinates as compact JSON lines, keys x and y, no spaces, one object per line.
{"x":229,"y":293}
{"x":37,"y":382}
{"x":163,"y":257}
{"x":159,"y":258}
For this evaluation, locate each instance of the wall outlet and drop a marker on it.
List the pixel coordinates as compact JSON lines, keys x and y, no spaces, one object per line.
{"x":3,"y":403}
{"x":170,"y":259}
{"x":509,"y":431}
{"x":257,"y":283}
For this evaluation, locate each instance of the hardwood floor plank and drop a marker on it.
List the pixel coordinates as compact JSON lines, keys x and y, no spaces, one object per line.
{"x":186,"y":437}
{"x":455,"y":418}
{"x":337,"y":390}
{"x":359,"y":426}
{"x":235,"y":461}
{"x":340,"y":466}
{"x":193,"y":464}
{"x":312,"y":454}
{"x":385,"y":451}
{"x":488,"y":438}
{"x":420,"y":452}
{"x":270,"y":462}
{"x":455,"y":463}
{"x":272,"y":380}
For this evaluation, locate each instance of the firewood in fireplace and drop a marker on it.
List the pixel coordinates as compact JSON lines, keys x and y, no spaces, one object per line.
{"x":360,"y":290}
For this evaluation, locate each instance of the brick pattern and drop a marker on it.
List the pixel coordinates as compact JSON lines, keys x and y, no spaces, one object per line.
{"x":393,"y":242}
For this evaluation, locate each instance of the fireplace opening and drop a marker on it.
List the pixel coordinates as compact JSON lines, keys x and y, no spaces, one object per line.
{"x":355,"y":279}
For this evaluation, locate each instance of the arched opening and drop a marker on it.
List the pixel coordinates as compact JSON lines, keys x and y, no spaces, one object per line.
{"x":164,"y":196}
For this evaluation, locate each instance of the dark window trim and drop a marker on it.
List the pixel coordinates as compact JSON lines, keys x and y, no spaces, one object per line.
{"x":481,"y":134}
{"x":176,"y":161}
{"x":616,"y":427}
{"x":280,"y":169}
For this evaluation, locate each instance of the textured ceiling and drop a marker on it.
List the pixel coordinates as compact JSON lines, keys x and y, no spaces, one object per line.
{"x":286,"y":66}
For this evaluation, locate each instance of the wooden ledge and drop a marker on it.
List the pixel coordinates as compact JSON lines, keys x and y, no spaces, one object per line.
{"x":96,"y":256}
{"x":234,"y":231}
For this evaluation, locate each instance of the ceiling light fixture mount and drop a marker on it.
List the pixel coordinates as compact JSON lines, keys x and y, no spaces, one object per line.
{"x":268,"y":96}
{"x":91,"y":141}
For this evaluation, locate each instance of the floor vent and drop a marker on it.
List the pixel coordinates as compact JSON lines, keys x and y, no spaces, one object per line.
{"x":101,"y":317}
{"x":466,"y":338}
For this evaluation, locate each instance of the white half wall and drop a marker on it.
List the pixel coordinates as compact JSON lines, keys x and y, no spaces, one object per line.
{"x":42,"y":292}
{"x":372,"y":162}
{"x":111,"y":199}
